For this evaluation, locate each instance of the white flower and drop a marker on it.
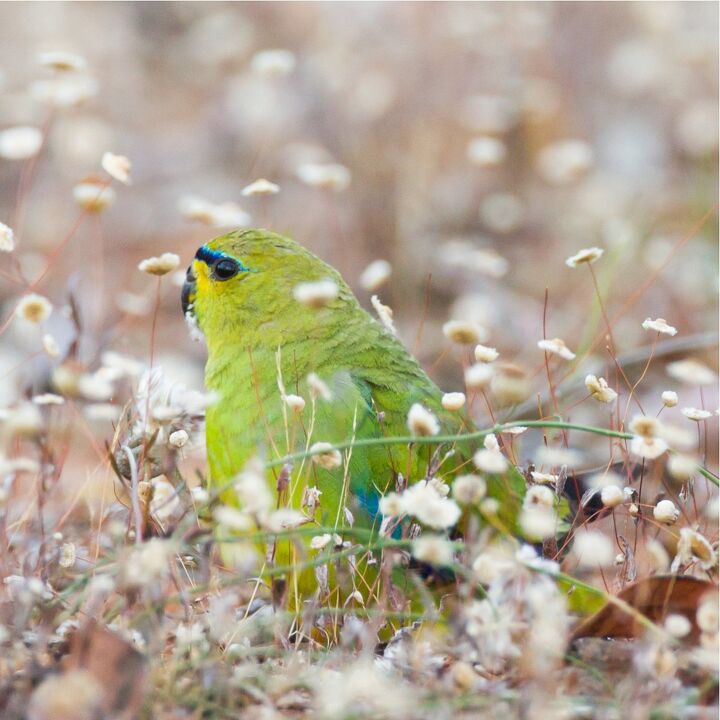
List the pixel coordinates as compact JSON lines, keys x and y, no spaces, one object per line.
{"x":469,"y":489}
{"x":707,"y":614}
{"x":539,"y":495}
{"x":178,"y":438}
{"x":599,"y":389}
{"x":316,"y":294}
{"x":421,"y":422}
{"x":117,"y":166}
{"x":463,"y":333}
{"x":62,"y":61}
{"x":691,"y":372}
{"x":375,"y":275}
{"x":64,"y":91}
{"x":273,"y":62}
{"x":233,"y":518}
{"x":422,"y":501}
{"x":319,"y":388}
{"x":20,"y":143}
{"x":593,"y":549}
{"x":486,"y":151}
{"x":502,"y":212}
{"x":391,"y":505}
{"x":7,"y":238}
{"x":557,"y":456}
{"x":48,"y":399}
{"x":331,"y":176}
{"x":669,"y":398}
{"x":544,"y":478}
{"x":490,"y":461}
{"x":659,"y":325}
{"x":585,"y":256}
{"x":666,"y":512}
{"x":295,"y":402}
{"x":50,"y":346}
{"x":490,"y":442}
{"x":682,"y":467}
{"x":564,"y":161}
{"x":645,"y":425}
{"x":484,"y":354}
{"x":557,"y":347}
{"x":34,"y":308}
{"x":433,"y":549}
{"x":384,"y":313}
{"x":677,"y":625}
{"x":326,"y":456}
{"x":161,"y":265}
{"x":93,"y":195}
{"x":260,"y":187}
{"x":284,"y":519}
{"x":612,"y":496}
{"x":694,"y":546}
{"x":537,"y":522}
{"x":165,"y":501}
{"x":318,"y":542}
{"x":696,"y":414}
{"x":647,"y":447}
{"x":453,"y":401}
{"x":478,"y":375}
{"x":226,"y":214}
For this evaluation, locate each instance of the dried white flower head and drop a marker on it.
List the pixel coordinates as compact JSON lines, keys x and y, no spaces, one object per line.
{"x":691,"y":372}
{"x":649,"y":448}
{"x":165,"y":501}
{"x":93,"y":195}
{"x":453,"y":400}
{"x":537,"y":522}
{"x":254,"y":495}
{"x":694,"y":547}
{"x":586,"y":256}
{"x":433,"y":549}
{"x":116,"y":166}
{"x":226,"y":214}
{"x":375,"y":275}
{"x":260,"y":187}
{"x":319,"y":388}
{"x":326,"y":456}
{"x":478,"y":375}
{"x":644,"y":425}
{"x":612,"y":496}
{"x":707,"y":615}
{"x":659,"y":325}
{"x":666,"y":512}
{"x":557,"y":347}
{"x":593,"y":549}
{"x":295,"y":402}
{"x":544,"y":478}
{"x":62,"y":61}
{"x":484,"y":354}
{"x":564,"y":161}
{"x":486,"y":152}
{"x":178,"y":438}
{"x":34,"y":308}
{"x":421,"y":422}
{"x":161,"y":265}
{"x":384,"y":313}
{"x":331,"y":176}
{"x":490,"y":461}
{"x":677,"y":625}
{"x":7,"y":238}
{"x":274,"y":62}
{"x":50,"y":346}
{"x":539,"y":495}
{"x":20,"y":143}
{"x":319,"y":542}
{"x":463,"y":333}
{"x":24,"y":420}
{"x":63,"y":91}
{"x":391,"y":505}
{"x":48,"y":399}
{"x":682,"y":467}
{"x":469,"y":489}
{"x":696,"y":414}
{"x":423,"y":502}
{"x":599,"y":389}
{"x":669,"y":398}
{"x":316,"y":294}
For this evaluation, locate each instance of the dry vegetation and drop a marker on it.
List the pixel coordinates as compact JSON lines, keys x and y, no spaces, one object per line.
{"x":476,"y":148}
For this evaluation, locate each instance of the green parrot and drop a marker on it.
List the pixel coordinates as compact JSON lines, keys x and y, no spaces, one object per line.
{"x":267,"y":349}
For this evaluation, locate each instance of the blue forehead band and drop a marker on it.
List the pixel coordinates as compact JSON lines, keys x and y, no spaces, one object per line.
{"x":210,"y":257}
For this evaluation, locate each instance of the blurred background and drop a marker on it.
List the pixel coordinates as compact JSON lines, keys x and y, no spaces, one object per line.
{"x":474,"y":146}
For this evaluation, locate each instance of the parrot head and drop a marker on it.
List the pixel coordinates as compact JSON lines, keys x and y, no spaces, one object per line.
{"x":243,"y":282}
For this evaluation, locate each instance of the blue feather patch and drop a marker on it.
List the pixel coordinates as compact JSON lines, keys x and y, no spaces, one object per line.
{"x":209,"y":257}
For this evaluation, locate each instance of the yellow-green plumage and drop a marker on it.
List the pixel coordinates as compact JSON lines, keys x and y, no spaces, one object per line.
{"x":254,"y":326}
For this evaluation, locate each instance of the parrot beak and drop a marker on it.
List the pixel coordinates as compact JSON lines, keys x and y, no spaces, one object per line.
{"x":188,"y":291}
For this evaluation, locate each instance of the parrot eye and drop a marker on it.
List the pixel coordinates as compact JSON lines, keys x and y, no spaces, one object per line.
{"x":225,"y":269}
